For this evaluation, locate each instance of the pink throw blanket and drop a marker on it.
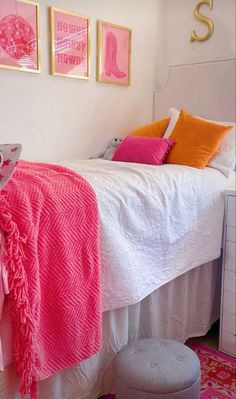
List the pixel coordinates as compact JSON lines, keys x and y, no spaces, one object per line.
{"x":49,"y":217}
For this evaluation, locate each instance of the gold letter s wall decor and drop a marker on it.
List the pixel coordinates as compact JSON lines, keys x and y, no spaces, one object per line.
{"x":204,"y":20}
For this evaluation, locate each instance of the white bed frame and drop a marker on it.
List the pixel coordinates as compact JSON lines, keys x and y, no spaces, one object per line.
{"x":206,"y":89}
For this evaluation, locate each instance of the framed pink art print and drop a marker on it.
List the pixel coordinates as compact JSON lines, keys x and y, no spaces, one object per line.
{"x":19,"y":35}
{"x":70,"y":44}
{"x":113,"y":54}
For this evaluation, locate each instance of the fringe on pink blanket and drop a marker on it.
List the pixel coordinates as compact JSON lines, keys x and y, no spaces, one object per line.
{"x":49,"y":217}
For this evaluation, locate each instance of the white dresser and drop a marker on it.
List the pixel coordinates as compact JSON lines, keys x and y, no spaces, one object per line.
{"x":228,"y":296}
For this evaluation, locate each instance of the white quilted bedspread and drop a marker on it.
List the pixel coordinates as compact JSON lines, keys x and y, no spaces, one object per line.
{"x":156,"y":223}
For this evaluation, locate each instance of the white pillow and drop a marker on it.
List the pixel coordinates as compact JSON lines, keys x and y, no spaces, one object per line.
{"x":224,"y":158}
{"x":174,"y":116}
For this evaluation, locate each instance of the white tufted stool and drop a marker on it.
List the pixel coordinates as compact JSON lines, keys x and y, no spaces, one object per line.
{"x":157,"y":369}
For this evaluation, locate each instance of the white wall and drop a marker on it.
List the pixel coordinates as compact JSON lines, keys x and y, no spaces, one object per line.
{"x":178,"y":23}
{"x":55,"y":117}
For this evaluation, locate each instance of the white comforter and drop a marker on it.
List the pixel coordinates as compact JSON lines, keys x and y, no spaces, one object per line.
{"x":156,"y":223}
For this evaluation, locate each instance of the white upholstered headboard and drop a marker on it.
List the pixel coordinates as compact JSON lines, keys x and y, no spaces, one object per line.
{"x":205,"y":89}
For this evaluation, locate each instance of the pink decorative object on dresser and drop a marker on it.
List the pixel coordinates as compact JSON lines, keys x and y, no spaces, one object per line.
{"x":9,"y":155}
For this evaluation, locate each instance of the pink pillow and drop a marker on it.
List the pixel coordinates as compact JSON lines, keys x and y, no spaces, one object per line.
{"x":149,"y":150}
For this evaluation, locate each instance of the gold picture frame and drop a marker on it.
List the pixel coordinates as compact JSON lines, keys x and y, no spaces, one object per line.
{"x":22,"y":56}
{"x":69,"y":44}
{"x":113,"y":53}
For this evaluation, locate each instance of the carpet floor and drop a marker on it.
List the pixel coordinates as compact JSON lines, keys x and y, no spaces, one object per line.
{"x":218,"y":374}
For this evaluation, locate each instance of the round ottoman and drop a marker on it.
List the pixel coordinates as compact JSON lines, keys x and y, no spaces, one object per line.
{"x":157,"y":369}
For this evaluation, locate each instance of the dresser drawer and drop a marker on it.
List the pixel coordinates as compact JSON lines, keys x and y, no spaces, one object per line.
{"x":229,"y":281}
{"x":229,"y":305}
{"x":228,"y":343}
{"x":230,"y":249}
{"x":229,"y":323}
{"x":231,"y":233}
{"x":230,"y":219}
{"x":230,"y":264}
{"x":231,"y":203}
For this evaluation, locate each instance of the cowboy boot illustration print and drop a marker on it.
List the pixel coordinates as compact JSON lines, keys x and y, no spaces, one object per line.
{"x":111,"y":66}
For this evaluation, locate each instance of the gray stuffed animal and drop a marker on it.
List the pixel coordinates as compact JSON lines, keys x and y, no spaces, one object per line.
{"x":111,"y":148}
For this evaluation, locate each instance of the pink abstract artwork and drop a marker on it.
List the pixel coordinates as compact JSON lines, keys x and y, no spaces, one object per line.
{"x":19,"y":42}
{"x":69,"y":44}
{"x":114,"y":46}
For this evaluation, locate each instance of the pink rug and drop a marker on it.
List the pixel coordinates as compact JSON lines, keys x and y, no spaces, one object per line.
{"x":218,"y":374}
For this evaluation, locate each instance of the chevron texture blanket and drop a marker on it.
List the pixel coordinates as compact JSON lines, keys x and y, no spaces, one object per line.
{"x":49,"y":217}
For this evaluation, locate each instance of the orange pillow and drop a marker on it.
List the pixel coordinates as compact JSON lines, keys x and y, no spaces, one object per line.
{"x":196,"y":141}
{"x":154,"y":129}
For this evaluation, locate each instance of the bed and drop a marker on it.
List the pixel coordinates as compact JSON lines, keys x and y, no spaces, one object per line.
{"x":160,"y":257}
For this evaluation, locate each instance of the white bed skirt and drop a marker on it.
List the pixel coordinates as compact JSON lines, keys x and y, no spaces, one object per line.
{"x":183,"y":308}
